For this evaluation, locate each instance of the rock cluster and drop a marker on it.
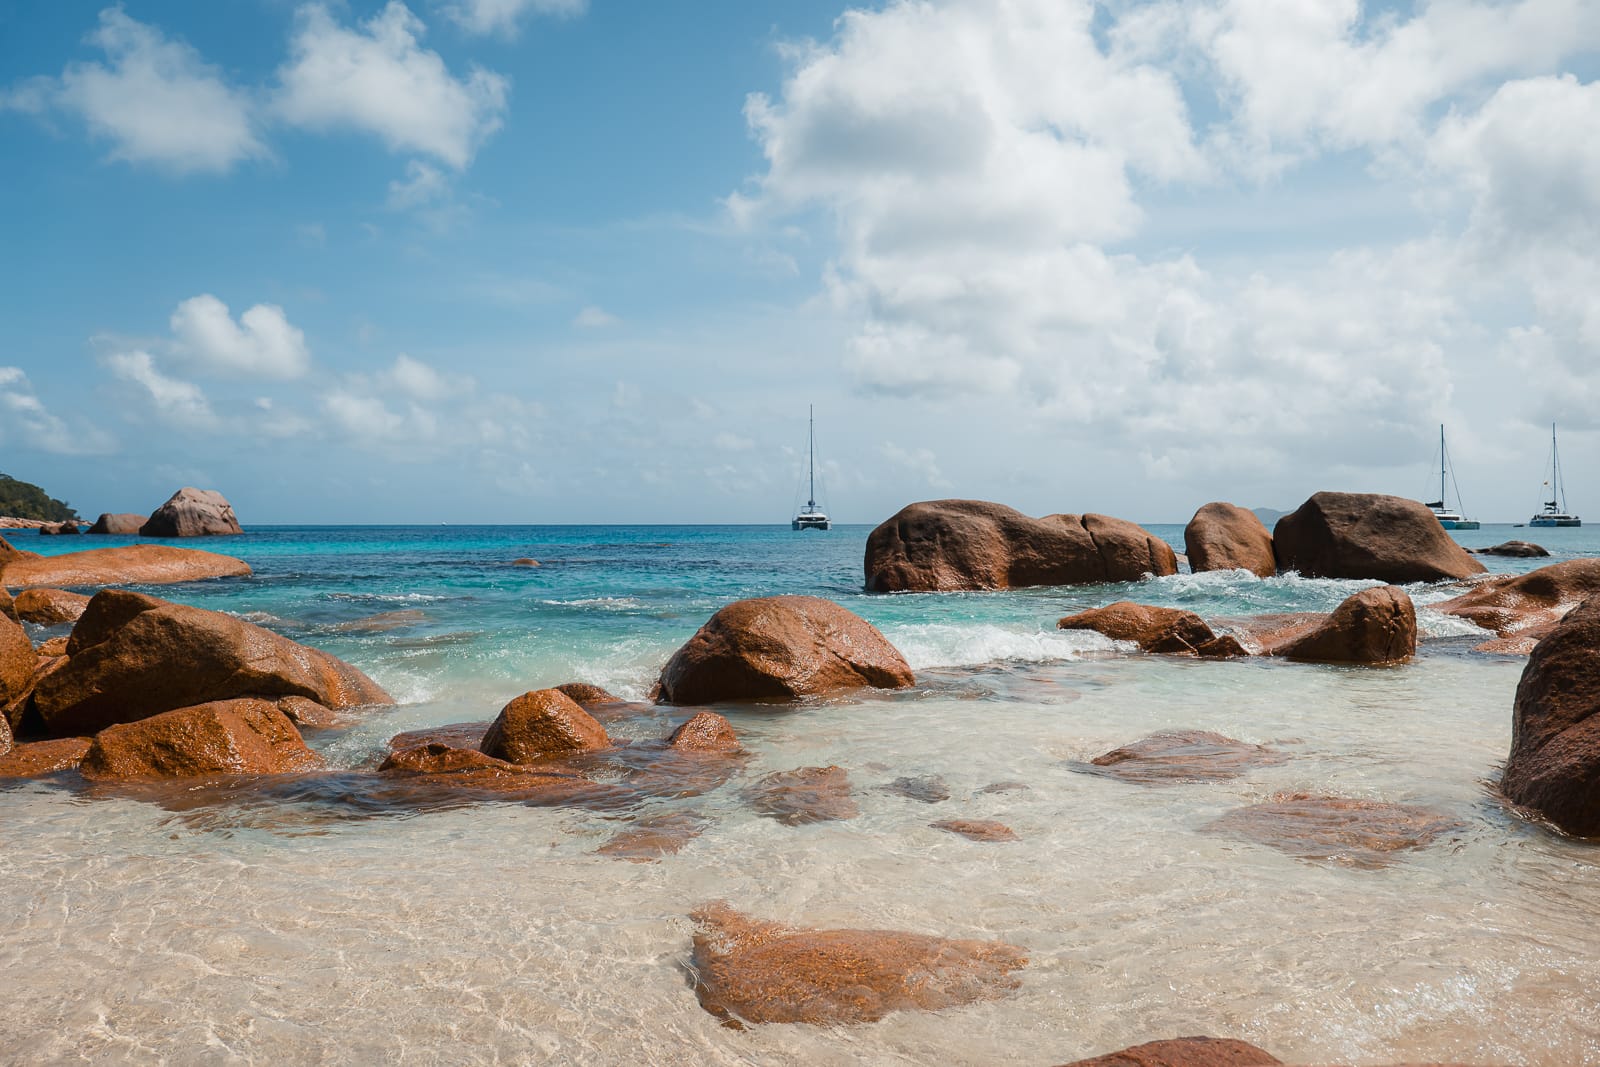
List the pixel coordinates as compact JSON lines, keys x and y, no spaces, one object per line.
{"x":944,"y":545}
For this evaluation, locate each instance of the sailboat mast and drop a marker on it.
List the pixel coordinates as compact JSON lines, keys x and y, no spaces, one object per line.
{"x":1555,"y":471}
{"x":811,"y":451}
{"x":1441,"y":464}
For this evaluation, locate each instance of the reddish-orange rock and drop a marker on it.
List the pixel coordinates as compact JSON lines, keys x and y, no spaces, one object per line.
{"x":453,"y":735}
{"x":941,"y":545}
{"x":308,"y":714}
{"x":9,"y":553}
{"x":35,"y":759}
{"x":540,"y":724}
{"x":1225,"y":537}
{"x":192,"y":513}
{"x":763,"y":972}
{"x":1374,"y":626}
{"x":439,"y":770}
{"x":1184,"y":1052}
{"x":804,"y":795}
{"x":976,"y":829}
{"x":49,"y":607}
{"x":1368,"y":535}
{"x":5,"y":735}
{"x":8,"y":605}
{"x":779,"y":648}
{"x":132,"y":657}
{"x":221,"y":737}
{"x":584,"y":694}
{"x":706,"y":732}
{"x":1554,"y":766}
{"x":1153,"y":629}
{"x":1172,"y":756}
{"x":1523,"y":608}
{"x":525,"y":562}
{"x":1357,"y":833}
{"x":118,"y":524}
{"x":125,"y":565}
{"x":653,"y":837}
{"x":1515,"y":549}
{"x":18,"y":661}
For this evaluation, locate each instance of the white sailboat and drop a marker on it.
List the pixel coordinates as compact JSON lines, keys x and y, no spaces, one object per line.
{"x":812,"y":516}
{"x":1551,"y":514}
{"x":1448,"y":518}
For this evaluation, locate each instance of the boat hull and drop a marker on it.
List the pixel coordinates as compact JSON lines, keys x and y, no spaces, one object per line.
{"x":1563,"y":521}
{"x":812,"y":524}
{"x":1459,"y":524}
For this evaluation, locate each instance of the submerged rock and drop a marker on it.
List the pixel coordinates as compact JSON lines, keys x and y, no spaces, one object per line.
{"x":125,"y":565}
{"x":1173,"y":756}
{"x":35,"y":759}
{"x":1357,"y":833}
{"x":1184,"y":1052}
{"x":384,"y":622}
{"x":1153,"y":629}
{"x":1524,"y":608}
{"x":133,"y":656}
{"x":764,"y":972}
{"x":705,"y":732}
{"x":942,"y":545}
{"x":192,"y":512}
{"x":655,"y":836}
{"x":118,"y":524}
{"x":221,"y":737}
{"x":780,"y":648}
{"x":1368,"y":535}
{"x":976,"y":829}
{"x":541,"y":724}
{"x":1375,"y":626}
{"x":1515,"y":549}
{"x":454,"y":735}
{"x":49,"y":607}
{"x":438,"y":771}
{"x":1225,"y":537}
{"x":929,"y":789}
{"x":804,"y":795}
{"x":1554,"y":766}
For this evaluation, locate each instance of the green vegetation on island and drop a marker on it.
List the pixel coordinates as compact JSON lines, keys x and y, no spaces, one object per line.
{"x":23,"y":500}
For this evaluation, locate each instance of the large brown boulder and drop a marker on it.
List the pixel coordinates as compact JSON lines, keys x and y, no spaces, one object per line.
{"x":1527,"y":606}
{"x":17,"y":661}
{"x":1153,"y":629}
{"x":125,"y":565}
{"x":1184,"y":1052}
{"x":972,"y":544}
{"x":764,"y":972}
{"x":1373,"y":626}
{"x":1554,"y":766}
{"x":36,"y":759}
{"x":540,"y":724}
{"x":1368,"y":535}
{"x":192,"y":513}
{"x":1225,"y":537}
{"x":119,"y":524}
{"x":49,"y":607}
{"x":133,"y":656}
{"x":780,"y":648}
{"x":221,"y":737}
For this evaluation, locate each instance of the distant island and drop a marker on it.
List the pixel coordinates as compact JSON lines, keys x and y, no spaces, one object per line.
{"x":1268,"y":516}
{"x":24,"y":500}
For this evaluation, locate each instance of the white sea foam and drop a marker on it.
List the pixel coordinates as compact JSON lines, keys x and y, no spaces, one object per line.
{"x":948,"y":645}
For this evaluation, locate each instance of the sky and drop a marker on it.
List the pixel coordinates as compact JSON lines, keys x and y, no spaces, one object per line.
{"x":568,"y":261}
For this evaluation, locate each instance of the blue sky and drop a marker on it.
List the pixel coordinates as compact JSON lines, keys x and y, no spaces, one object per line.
{"x":548,"y":261}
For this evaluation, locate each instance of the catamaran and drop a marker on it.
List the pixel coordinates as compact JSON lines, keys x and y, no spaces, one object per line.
{"x":1449,"y":519}
{"x":1551,"y":514}
{"x":812,"y":517}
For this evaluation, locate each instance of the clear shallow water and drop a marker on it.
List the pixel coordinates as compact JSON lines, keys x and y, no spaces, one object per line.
{"x":494,"y":934}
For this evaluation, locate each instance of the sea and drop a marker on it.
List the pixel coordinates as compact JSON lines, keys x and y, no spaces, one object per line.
{"x":209,"y":929}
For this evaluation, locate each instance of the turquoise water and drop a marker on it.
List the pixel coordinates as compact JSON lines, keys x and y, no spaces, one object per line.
{"x":197,"y":931}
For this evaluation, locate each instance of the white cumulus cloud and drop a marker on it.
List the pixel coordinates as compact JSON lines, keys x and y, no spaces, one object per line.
{"x":25,"y":422}
{"x":155,"y":100}
{"x":262,"y":343}
{"x":378,"y":78}
{"x":504,"y":17}
{"x":179,"y":401}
